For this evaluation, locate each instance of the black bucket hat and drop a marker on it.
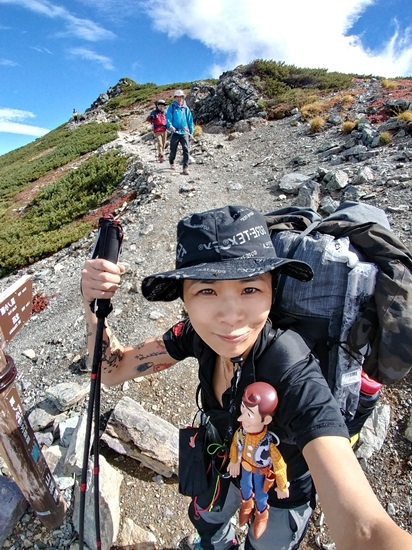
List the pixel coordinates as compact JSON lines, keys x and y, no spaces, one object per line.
{"x":222,"y":244}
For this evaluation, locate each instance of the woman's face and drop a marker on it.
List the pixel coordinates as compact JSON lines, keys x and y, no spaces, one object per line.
{"x":229,"y":315}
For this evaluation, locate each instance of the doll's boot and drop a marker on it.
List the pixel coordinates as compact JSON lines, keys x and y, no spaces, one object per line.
{"x":261,"y":521}
{"x":246,"y":511}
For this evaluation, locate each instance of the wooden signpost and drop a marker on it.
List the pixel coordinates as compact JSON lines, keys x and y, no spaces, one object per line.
{"x":18,"y":444}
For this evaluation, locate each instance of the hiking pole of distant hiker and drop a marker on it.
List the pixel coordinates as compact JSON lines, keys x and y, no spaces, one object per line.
{"x":108,"y":243}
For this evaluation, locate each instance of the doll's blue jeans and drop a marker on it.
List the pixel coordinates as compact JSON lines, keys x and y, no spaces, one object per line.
{"x":253,"y":483}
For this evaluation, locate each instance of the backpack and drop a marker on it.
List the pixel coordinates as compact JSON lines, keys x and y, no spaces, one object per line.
{"x":356,"y":313}
{"x":155,"y":120}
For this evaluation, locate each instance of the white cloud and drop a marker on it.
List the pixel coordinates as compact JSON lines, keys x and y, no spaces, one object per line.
{"x":306,"y":34}
{"x":8,"y":118}
{"x":7,"y":63}
{"x":23,"y":129}
{"x":90,"y":55}
{"x":116,"y":10}
{"x":84,"y":29}
{"x":41,"y":50}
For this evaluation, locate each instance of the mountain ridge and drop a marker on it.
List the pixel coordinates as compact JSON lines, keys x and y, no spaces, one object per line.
{"x":70,"y":176}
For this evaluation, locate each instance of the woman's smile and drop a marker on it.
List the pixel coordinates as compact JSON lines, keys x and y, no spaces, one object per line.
{"x":229,"y":315}
{"x":234,"y":338}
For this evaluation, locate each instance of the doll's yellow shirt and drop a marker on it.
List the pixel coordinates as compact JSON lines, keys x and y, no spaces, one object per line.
{"x":248,"y":444}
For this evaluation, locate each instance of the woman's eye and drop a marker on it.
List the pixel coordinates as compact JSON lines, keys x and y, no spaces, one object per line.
{"x":206,"y":291}
{"x":249,"y":290}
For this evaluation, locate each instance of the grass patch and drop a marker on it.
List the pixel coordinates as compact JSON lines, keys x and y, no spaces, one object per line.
{"x":405,"y":116}
{"x":348,"y":99}
{"x":385,"y":138}
{"x":312,"y":109}
{"x":317,"y":124}
{"x":389,"y":84}
{"x":198,"y":131}
{"x":348,"y":126}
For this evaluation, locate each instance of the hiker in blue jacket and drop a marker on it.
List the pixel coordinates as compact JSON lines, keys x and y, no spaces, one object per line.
{"x":226,"y":271}
{"x":179,"y":121}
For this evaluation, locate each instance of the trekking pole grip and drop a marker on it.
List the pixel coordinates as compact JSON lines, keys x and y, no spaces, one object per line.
{"x":108,"y":245}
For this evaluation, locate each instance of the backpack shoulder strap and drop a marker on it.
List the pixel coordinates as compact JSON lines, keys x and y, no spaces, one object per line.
{"x":287,"y":348}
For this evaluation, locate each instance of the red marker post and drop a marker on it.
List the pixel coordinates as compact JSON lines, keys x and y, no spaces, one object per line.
{"x":18,"y":444}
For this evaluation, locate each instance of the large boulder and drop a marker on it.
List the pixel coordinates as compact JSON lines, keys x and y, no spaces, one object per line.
{"x":231,"y":100}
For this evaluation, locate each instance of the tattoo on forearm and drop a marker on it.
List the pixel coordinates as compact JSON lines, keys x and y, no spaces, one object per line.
{"x":159,"y":341}
{"x":153,"y":354}
{"x":110,"y":358}
{"x":144,"y":367}
{"x":161,"y":366}
{"x":111,"y":352}
{"x":144,"y":363}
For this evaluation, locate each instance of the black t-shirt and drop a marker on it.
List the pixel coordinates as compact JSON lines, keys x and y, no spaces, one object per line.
{"x":306,"y":408}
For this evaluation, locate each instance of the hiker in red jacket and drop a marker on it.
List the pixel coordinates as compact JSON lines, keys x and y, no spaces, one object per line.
{"x":157,"y":119}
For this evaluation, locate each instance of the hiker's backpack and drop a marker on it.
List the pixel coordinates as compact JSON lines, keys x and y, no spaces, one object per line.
{"x":356,"y":313}
{"x":158,"y":120}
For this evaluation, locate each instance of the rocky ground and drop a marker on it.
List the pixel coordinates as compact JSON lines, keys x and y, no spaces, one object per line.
{"x":243,"y":170}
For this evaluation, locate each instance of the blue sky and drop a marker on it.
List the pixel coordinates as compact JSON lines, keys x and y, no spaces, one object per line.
{"x":60,"y":55}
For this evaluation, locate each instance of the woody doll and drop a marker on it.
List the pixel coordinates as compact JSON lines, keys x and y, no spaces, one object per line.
{"x":254,"y":454}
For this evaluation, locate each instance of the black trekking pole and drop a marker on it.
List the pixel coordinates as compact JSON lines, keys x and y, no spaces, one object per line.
{"x":108,"y":243}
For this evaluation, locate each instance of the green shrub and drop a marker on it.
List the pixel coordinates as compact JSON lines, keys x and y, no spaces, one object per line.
{"x":54,"y":218}
{"x":262,"y":104}
{"x":141,"y":93}
{"x":27,"y":164}
{"x":277,"y":77}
